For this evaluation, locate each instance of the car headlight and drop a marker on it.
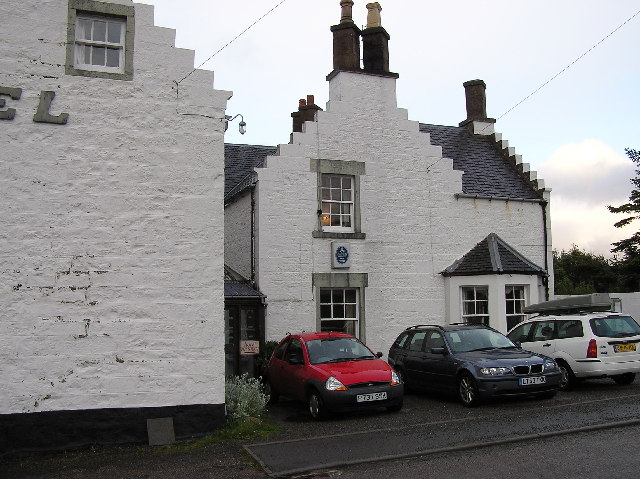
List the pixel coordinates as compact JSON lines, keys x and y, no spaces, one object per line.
{"x":550,"y":365}
{"x":332,"y":384}
{"x":495,"y":371}
{"x":395,"y":379}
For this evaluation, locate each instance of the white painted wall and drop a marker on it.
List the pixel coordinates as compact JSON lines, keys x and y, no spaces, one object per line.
{"x":111,"y":258}
{"x":414,"y":225}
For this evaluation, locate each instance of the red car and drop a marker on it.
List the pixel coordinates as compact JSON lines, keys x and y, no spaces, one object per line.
{"x":333,"y":372}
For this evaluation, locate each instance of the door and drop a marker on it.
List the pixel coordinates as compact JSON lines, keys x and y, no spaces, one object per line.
{"x":541,"y":338}
{"x":439,"y":370}
{"x":242,"y":340}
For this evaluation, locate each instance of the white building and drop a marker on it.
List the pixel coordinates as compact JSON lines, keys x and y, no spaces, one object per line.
{"x":111,"y":182}
{"x":368,"y":223}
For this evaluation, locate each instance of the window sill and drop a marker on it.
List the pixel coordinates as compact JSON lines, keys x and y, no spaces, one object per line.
{"x":335,"y":235}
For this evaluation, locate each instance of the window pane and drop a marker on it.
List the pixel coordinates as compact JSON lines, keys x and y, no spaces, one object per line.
{"x":114,"y":32}
{"x":350,"y":311}
{"x":481,"y":294}
{"x":326,"y":181}
{"x":325,"y":311}
{"x":83,"y":31}
{"x":87,"y":55}
{"x":336,"y":182}
{"x":468,"y":294}
{"x":338,"y":296}
{"x":346,"y":221}
{"x":338,"y":310}
{"x":99,"y":31}
{"x":325,"y":296}
{"x":346,"y":182}
{"x":113,"y":57}
{"x":98,"y":55}
{"x":350,"y":296}
{"x":326,"y":193}
{"x":335,"y":208}
{"x":346,"y":195}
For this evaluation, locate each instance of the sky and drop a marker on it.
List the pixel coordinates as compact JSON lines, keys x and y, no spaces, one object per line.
{"x":579,"y":81}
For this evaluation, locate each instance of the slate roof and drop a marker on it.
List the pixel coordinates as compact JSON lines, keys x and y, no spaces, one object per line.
{"x":239,"y":161}
{"x":237,"y":286}
{"x":486,"y":171}
{"x":492,"y":255}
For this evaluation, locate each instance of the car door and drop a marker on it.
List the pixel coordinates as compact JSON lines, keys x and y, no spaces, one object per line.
{"x":541,"y":339}
{"x":287,"y":372}
{"x":412,"y":358}
{"x":439,"y":370}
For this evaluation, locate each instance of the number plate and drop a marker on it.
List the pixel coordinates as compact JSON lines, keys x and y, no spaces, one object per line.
{"x":532,"y":381}
{"x":371,"y":397}
{"x":621,"y":348}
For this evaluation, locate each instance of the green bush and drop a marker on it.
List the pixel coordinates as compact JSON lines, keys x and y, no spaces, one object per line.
{"x":245,"y":397}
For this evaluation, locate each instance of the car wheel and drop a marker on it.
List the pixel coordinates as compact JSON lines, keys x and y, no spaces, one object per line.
{"x":624,"y":379}
{"x":395,"y":407}
{"x":568,"y":380}
{"x":468,"y":390}
{"x":316,"y":406}
{"x":270,"y":392}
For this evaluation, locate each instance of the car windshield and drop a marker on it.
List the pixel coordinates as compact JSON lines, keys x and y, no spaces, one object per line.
{"x":464,"y":340}
{"x":336,"y":350}
{"x":615,"y":327}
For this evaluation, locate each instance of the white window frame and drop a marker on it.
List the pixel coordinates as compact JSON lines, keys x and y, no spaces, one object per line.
{"x":82,"y":44}
{"x":346,"y":300}
{"x":336,"y":197}
{"x":518,"y":304}
{"x":472,"y":318}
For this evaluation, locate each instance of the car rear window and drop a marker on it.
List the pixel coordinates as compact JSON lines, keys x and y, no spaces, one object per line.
{"x":615,"y":326}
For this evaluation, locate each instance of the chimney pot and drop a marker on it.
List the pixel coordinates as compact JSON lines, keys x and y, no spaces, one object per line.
{"x":311,"y":100}
{"x":302,"y":102}
{"x":373,"y":15}
{"x":347,"y":11}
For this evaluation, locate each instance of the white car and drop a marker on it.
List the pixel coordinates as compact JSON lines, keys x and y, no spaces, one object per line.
{"x":584,"y":344}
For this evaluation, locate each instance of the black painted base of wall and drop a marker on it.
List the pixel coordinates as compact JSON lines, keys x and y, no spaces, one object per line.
{"x":63,"y":430}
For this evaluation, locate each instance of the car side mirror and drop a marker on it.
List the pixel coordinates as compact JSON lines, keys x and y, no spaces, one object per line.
{"x":294,"y":358}
{"x":379,"y":354}
{"x":442,"y":351}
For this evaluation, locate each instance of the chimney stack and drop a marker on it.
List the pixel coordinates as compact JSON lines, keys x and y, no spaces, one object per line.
{"x":346,"y":40}
{"x":477,"y":122}
{"x":306,"y":112}
{"x":375,"y":42}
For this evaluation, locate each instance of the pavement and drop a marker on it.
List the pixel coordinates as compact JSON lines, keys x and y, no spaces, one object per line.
{"x":305,"y":448}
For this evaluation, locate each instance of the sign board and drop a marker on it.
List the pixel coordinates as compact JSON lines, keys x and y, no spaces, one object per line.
{"x":340,"y":255}
{"x":249,"y":347}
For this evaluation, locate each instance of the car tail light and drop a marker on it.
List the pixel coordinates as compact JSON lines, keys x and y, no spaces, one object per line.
{"x":592,"y":350}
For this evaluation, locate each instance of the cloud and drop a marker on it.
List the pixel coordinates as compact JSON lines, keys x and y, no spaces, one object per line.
{"x":588,"y":173}
{"x":585,"y":178}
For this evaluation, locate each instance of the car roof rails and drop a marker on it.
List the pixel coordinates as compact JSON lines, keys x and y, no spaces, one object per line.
{"x":585,"y":303}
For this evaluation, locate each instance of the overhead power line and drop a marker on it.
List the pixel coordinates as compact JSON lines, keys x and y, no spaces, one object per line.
{"x":233,"y":40}
{"x":568,"y":66}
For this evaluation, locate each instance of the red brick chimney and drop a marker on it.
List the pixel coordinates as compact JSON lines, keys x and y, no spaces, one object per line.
{"x":306,"y":112}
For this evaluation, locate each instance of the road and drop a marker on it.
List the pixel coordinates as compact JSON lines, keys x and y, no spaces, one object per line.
{"x":591,"y":429}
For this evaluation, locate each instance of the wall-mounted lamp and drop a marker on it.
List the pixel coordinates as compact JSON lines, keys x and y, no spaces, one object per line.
{"x":242,"y":126}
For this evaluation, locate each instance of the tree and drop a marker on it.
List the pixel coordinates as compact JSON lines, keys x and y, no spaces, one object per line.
{"x":628,"y":267}
{"x":629,"y":246}
{"x":580,"y":272}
